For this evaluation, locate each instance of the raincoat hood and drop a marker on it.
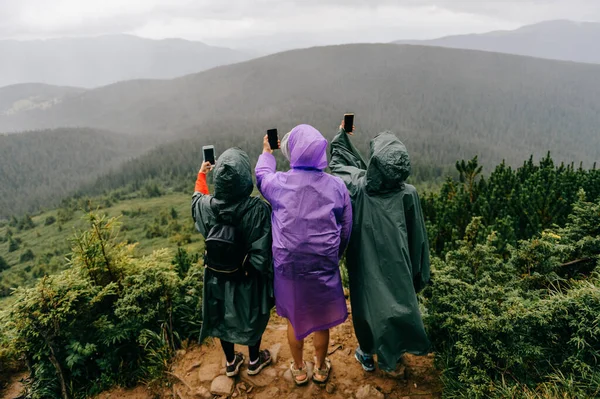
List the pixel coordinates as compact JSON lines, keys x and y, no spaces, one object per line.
{"x":389,"y":166}
{"x":307,"y":148}
{"x":233,"y":176}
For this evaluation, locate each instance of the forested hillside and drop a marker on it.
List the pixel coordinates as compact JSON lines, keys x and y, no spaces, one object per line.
{"x":98,"y":61}
{"x":512,"y":311}
{"x":444,"y":103}
{"x":38,"y":168}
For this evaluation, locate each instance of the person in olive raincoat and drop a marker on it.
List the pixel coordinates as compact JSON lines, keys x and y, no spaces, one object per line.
{"x":236,"y":310}
{"x":388,"y":253}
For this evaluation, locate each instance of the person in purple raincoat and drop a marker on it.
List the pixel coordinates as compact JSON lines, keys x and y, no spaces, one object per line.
{"x":312,"y":222}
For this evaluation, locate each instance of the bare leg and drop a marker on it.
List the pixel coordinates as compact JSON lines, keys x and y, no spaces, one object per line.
{"x":296,"y":347}
{"x":321,"y":343}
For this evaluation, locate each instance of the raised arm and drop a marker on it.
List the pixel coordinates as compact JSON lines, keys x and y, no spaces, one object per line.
{"x":346,"y":161}
{"x":199,"y":196}
{"x":265,"y":170}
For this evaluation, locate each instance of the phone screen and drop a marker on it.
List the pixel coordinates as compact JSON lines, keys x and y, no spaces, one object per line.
{"x":273,"y":139}
{"x":348,"y":122}
{"x":209,"y":155}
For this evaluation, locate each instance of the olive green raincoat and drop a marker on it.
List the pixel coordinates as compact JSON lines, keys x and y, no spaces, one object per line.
{"x":237,"y":310}
{"x":388,"y":253}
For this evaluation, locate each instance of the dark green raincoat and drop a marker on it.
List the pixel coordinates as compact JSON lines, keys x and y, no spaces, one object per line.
{"x":388,"y":254}
{"x":237,"y":310}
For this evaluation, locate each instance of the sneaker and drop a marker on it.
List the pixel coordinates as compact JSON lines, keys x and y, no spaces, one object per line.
{"x":234,"y":369}
{"x":366,"y":361}
{"x":264,"y":359}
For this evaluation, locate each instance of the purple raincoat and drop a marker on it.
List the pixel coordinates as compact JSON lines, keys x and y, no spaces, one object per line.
{"x":312,"y":222}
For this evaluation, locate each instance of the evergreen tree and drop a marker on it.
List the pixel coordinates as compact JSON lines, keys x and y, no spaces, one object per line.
{"x":3,"y":264}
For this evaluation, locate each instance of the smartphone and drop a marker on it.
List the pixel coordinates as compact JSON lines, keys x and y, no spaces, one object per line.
{"x":209,"y":153}
{"x":273,"y":139}
{"x":348,"y":122}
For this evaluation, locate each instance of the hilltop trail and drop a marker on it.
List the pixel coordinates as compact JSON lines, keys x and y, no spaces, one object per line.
{"x":196,"y":368}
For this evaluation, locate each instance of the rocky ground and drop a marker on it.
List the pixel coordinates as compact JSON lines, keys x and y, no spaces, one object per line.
{"x":198,"y":373}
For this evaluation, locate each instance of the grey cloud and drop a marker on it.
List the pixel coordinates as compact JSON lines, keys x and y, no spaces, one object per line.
{"x":512,"y":12}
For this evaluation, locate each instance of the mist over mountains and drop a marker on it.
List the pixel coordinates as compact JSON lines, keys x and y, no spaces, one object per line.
{"x":97,"y":61}
{"x":445,"y":104}
{"x":558,"y":40}
{"x":467,"y":102}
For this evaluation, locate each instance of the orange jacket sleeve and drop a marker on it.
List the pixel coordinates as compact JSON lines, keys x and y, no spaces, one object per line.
{"x":201,"y":185}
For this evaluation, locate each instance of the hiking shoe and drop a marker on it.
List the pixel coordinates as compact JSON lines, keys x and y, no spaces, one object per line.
{"x":234,"y":369}
{"x":366,"y":361}
{"x":264,"y":359}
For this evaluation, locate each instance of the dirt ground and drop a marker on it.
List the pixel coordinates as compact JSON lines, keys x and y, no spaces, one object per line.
{"x":195,"y":369}
{"x":14,"y":388}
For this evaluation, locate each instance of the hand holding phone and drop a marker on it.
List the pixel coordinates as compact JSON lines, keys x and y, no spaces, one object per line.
{"x":273,"y":138}
{"x":349,"y":123}
{"x":209,"y":154}
{"x":206,"y":167}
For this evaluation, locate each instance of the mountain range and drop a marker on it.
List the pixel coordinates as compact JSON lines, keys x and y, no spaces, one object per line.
{"x":98,"y":61}
{"x":445,"y":104}
{"x":558,"y":40}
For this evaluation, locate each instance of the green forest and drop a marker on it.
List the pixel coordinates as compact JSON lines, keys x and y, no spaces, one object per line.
{"x":38,"y":169}
{"x":111,"y":282}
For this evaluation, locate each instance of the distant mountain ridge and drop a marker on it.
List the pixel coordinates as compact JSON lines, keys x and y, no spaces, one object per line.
{"x":559,"y":40}
{"x":98,"y":61}
{"x":447,"y":103}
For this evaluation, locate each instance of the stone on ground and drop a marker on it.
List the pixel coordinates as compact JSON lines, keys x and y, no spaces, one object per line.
{"x":368,"y":392}
{"x":208,"y":372}
{"x":265,"y":378}
{"x":221,"y":385}
{"x":270,"y":393}
{"x":202,"y":393}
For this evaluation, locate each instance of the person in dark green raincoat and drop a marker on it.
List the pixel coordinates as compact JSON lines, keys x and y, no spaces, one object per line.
{"x":236,"y":310}
{"x":388,"y":253}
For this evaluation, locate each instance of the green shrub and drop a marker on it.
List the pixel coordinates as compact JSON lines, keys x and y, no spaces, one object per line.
{"x":25,"y":223}
{"x":27,"y":256}
{"x":64,"y":214}
{"x":152,"y":190}
{"x":108,"y":319}
{"x":13,"y":244}
{"x":49,"y":221}
{"x":3,"y":264}
{"x":513,"y":328}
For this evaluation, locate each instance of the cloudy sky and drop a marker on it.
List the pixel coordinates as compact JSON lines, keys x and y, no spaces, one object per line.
{"x":275,"y":24}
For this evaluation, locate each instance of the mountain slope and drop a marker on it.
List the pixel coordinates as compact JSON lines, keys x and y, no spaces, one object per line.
{"x":558,"y":40}
{"x":98,"y":61}
{"x":445,"y":103}
{"x":28,"y":96}
{"x":38,"y":168}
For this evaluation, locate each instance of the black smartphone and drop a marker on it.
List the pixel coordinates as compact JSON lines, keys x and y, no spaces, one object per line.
{"x":273,"y":139}
{"x":348,"y":122}
{"x":209,"y":153}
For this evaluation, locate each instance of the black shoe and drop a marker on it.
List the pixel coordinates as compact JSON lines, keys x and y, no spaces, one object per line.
{"x":365,"y":360}
{"x":264,"y":359}
{"x":234,"y":369}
